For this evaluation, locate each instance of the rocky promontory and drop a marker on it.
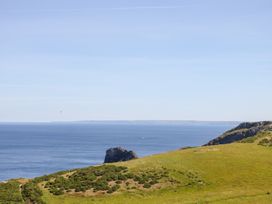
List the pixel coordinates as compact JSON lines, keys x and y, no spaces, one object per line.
{"x":242,"y":131}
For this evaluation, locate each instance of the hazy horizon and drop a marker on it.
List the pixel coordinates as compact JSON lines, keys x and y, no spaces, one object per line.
{"x":135,"y":60}
{"x":134,"y":120}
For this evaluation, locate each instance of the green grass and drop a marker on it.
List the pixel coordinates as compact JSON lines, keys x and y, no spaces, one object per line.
{"x":234,"y":173}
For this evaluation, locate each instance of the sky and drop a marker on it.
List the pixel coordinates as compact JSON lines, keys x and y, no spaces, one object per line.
{"x":71,"y":60}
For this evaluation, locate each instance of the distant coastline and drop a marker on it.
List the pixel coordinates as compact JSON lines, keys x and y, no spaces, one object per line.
{"x":127,"y":122}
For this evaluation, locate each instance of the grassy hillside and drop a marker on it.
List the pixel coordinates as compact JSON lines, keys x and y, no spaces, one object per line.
{"x":234,"y":173}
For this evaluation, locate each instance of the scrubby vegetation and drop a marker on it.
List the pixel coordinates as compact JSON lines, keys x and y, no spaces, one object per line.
{"x":106,"y":178}
{"x":32,"y":193}
{"x":249,"y":140}
{"x":10,"y":193}
{"x":51,"y":176}
{"x":263,"y":138}
{"x":266,"y":142}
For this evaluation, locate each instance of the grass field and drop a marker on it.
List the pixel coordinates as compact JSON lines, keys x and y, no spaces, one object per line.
{"x":234,"y":173}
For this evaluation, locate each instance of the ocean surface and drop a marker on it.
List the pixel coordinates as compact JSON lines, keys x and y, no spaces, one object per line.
{"x":34,"y":149}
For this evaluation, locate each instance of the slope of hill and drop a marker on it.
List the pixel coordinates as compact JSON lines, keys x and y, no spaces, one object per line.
{"x":242,"y":131}
{"x":233,"y":173}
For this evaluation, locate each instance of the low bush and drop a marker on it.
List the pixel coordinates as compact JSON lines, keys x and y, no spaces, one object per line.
{"x":266,"y":142}
{"x":98,"y":179}
{"x":10,"y":193}
{"x":32,"y":193}
{"x":147,"y":185}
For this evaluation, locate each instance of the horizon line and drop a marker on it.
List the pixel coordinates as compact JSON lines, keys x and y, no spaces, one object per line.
{"x":128,"y":121}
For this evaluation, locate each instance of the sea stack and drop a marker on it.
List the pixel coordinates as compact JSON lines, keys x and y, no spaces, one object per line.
{"x":119,"y":154}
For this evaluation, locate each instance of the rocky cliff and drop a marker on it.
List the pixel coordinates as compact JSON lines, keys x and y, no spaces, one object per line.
{"x":242,"y":131}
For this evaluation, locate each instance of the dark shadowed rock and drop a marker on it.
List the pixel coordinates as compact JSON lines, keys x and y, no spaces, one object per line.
{"x":242,"y":131}
{"x":119,"y":154}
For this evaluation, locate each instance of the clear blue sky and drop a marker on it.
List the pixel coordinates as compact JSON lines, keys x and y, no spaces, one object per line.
{"x":146,"y":59}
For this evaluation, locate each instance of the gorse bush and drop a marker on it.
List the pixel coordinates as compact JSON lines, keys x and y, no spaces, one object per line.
{"x":32,"y":194}
{"x":249,"y":140}
{"x":10,"y":193}
{"x":266,"y":142}
{"x":106,"y":178}
{"x":49,"y":177}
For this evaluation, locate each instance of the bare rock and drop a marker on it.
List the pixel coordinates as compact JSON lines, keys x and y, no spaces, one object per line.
{"x":119,"y":154}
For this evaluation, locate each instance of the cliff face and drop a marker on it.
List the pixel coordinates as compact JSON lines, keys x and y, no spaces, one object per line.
{"x":242,"y":131}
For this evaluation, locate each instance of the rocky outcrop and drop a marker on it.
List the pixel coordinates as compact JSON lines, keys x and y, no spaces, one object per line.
{"x":242,"y":131}
{"x":119,"y":154}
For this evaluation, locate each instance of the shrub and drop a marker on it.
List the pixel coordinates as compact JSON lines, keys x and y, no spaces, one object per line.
{"x":10,"y":193}
{"x":98,"y":178}
{"x":147,"y":185}
{"x":32,"y":193}
{"x":265,"y":142}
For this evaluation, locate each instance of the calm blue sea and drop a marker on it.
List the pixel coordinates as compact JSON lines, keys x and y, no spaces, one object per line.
{"x":29,"y":150}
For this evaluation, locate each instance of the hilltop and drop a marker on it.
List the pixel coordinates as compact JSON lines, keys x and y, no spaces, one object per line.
{"x":242,"y":131}
{"x":239,"y":172}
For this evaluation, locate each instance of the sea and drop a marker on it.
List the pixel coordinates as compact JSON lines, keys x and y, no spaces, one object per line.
{"x":34,"y":149}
